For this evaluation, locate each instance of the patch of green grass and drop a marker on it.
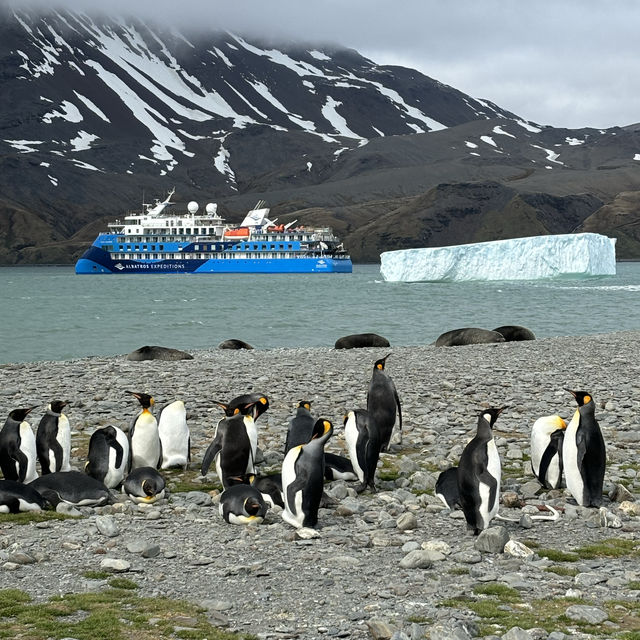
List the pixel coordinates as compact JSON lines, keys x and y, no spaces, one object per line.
{"x":500,"y":591}
{"x":180,"y":481}
{"x":634,"y":585}
{"x":29,"y":517}
{"x":420,"y":619}
{"x":610,"y":548}
{"x":122,"y":583}
{"x":558,"y":556}
{"x":112,"y":614}
{"x":459,"y":571}
{"x":97,"y":575}
{"x":562,"y":571}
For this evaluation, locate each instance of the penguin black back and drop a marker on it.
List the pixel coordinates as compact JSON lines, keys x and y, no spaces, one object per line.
{"x":584,"y":453}
{"x":382,"y":404}
{"x":48,"y":447}
{"x":101,"y":443}
{"x":300,"y":426}
{"x":479,"y":474}
{"x":13,"y":461}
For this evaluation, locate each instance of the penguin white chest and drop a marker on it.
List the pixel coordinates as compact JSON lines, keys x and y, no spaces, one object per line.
{"x":292,"y":513}
{"x":28,"y":447}
{"x":489,"y":506}
{"x":572,"y":467}
{"x":174,"y":435}
{"x":145,"y":442}
{"x":351,"y":437}
{"x":64,"y":439}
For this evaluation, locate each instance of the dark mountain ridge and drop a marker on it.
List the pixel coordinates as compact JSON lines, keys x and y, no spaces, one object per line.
{"x":99,"y":111}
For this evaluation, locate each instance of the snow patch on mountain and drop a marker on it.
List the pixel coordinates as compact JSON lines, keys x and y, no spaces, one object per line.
{"x":90,"y":105}
{"x":68,"y":111}
{"x":339,"y":124}
{"x":83,"y":141}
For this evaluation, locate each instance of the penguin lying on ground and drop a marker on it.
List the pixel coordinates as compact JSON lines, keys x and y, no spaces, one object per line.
{"x":16,"y":497}
{"x":303,"y":478}
{"x":174,"y":436}
{"x":144,"y":484}
{"x":479,"y":474}
{"x":242,"y":504}
{"x":447,"y":488}
{"x":53,"y":439}
{"x":233,"y":448}
{"x":18,"y":447}
{"x":583,"y":453}
{"x":108,"y":457}
{"x":547,"y":436}
{"x":72,"y":487}
{"x":270,"y":488}
{"x":144,"y":439}
{"x":382,"y":403}
{"x":338,"y":467}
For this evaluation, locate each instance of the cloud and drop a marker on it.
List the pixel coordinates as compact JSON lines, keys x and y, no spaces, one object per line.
{"x":561,"y":62}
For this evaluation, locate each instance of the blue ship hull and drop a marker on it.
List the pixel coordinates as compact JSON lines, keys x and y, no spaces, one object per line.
{"x":96,"y":260}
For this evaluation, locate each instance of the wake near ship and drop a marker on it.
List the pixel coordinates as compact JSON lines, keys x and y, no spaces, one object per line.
{"x":157,"y":241}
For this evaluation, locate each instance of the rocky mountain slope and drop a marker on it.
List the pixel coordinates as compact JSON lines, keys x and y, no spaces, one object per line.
{"x":99,"y":113}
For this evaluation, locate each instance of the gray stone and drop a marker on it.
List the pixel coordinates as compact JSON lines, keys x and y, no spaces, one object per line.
{"x":586,"y":613}
{"x":107,"y":526}
{"x":418,"y":559}
{"x":530,"y":489}
{"x":589,"y":579}
{"x":115,"y":564}
{"x":151,"y":551}
{"x":492,"y":540}
{"x":407,"y":522}
{"x":620,"y":493}
{"x":449,"y":631}
{"x":20,"y":557}
{"x":516,"y":633}
{"x":380,"y":630}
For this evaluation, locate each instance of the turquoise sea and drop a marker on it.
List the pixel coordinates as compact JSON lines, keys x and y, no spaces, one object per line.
{"x":49,"y":313}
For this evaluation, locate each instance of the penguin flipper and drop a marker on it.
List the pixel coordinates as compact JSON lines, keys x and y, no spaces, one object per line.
{"x":19,"y":457}
{"x":554,"y":447}
{"x":160,"y":456}
{"x":298,"y":484}
{"x":117,"y":447}
{"x":57,"y":454}
{"x":212,"y":451}
{"x":398,"y":405}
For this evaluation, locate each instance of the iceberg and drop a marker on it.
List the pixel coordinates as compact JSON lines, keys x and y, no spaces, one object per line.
{"x":572,"y":255}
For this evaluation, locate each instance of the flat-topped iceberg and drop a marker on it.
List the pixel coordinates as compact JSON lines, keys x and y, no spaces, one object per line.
{"x":572,"y":255}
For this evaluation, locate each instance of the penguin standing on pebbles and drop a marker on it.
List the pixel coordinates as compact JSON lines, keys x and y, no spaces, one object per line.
{"x":547,"y":436}
{"x":18,"y":447}
{"x":363,"y":446}
{"x":108,"y":458}
{"x":174,"y":436}
{"x":479,"y":474}
{"x":583,"y":453}
{"x":233,"y":449}
{"x":53,"y":439}
{"x":300,"y":426}
{"x":144,"y":439}
{"x":303,"y":478}
{"x":382,"y":403}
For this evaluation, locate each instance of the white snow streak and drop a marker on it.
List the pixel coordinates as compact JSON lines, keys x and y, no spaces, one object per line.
{"x":488,"y":140}
{"x":24,"y":146}
{"x":90,"y":105}
{"x":528,"y":126}
{"x":337,"y":121}
{"x":83,"y":141}
{"x":552,"y":156}
{"x":500,"y":131}
{"x":471,"y":145}
{"x":68,"y":111}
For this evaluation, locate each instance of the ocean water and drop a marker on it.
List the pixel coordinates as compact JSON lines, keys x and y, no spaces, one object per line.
{"x":49,"y":313}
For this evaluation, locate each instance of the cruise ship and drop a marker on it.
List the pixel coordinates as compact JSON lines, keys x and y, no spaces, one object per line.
{"x":159,"y":241}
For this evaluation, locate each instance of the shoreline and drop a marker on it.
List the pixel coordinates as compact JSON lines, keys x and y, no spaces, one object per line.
{"x":267,"y":581}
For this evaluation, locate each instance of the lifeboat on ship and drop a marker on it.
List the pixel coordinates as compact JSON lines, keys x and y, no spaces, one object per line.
{"x":240,"y":232}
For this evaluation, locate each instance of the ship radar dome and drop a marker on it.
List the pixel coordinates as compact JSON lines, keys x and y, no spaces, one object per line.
{"x":212,"y":208}
{"x":192,"y":207}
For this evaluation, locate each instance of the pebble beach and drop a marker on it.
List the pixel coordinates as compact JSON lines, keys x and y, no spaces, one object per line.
{"x":392,"y":564}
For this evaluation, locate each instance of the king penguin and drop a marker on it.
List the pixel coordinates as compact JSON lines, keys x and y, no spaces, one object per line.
{"x":382,"y":403}
{"x":583,"y":453}
{"x":363,"y":446}
{"x":233,"y":449}
{"x":144,"y":485}
{"x":242,"y":504}
{"x":18,"y":447}
{"x":479,"y":474}
{"x":108,"y":458}
{"x":300,"y":426}
{"x":303,"y":478}
{"x":16,"y":497}
{"x":174,"y":436}
{"x":144,"y":439}
{"x":53,"y":439}
{"x":547,"y":435}
{"x":254,"y":404}
{"x":447,"y":488}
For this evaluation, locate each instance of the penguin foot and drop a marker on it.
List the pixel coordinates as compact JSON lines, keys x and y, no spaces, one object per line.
{"x":363,"y":486}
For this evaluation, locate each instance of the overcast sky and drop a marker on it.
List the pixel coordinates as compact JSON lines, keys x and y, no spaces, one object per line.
{"x":570,"y":63}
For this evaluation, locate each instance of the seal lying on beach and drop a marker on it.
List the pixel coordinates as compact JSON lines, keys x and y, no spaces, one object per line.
{"x":233,"y":343}
{"x":361,"y":340}
{"x":158,"y":353}
{"x":514,"y":332}
{"x":468,"y":335}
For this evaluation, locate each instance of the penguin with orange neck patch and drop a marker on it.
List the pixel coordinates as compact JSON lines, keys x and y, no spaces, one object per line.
{"x":382,"y":404}
{"x":144,"y":437}
{"x":583,"y":453}
{"x":547,"y":436}
{"x":144,"y":485}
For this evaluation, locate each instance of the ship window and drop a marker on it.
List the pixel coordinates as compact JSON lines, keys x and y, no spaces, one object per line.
{"x":160,"y":247}
{"x":197,"y":247}
{"x":187,"y":231}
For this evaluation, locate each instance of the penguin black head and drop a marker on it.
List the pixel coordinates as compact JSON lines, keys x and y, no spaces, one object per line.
{"x":491,"y":414}
{"x":304,"y":404}
{"x":20,"y":414}
{"x":252,"y":506}
{"x":249,"y":403}
{"x":144,"y":399}
{"x":379,"y":364}
{"x":321,"y":427}
{"x":58,"y":405}
{"x":582,"y":397}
